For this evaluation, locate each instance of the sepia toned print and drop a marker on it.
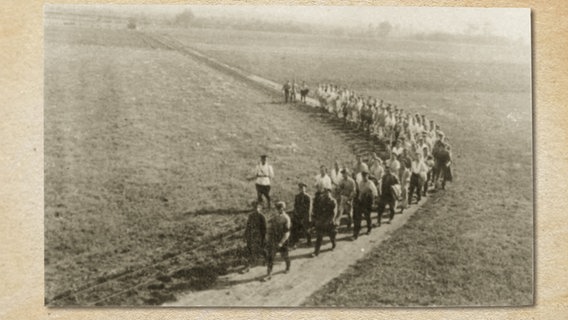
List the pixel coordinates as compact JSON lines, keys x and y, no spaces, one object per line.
{"x":288,"y":156}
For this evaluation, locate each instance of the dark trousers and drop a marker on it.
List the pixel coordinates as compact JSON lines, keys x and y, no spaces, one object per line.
{"x":254,"y":251}
{"x":300,"y":229}
{"x":358,"y":212}
{"x":263,"y":191}
{"x":428,"y":180}
{"x":414,"y":186}
{"x":325,"y":230}
{"x":382,"y":205}
{"x":271,"y":254}
{"x":286,"y":95}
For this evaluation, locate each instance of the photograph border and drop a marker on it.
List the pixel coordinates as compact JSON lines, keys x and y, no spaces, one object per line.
{"x":22,"y":169}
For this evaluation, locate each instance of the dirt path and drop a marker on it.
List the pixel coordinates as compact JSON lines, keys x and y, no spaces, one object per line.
{"x":307,"y":274}
{"x":305,"y":277}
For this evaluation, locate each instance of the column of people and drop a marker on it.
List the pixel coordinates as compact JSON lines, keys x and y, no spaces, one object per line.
{"x":419,"y":157}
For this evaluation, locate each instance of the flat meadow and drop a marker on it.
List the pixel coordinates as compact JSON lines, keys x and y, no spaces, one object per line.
{"x":472,"y":244}
{"x":147,"y":152}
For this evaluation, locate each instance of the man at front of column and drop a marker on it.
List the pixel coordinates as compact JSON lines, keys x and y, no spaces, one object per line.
{"x":264,"y":174}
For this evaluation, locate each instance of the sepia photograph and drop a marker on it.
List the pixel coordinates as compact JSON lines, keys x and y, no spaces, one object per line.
{"x":288,"y":156}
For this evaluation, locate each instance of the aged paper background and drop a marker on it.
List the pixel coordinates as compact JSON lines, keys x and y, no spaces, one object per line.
{"x":21,"y":174}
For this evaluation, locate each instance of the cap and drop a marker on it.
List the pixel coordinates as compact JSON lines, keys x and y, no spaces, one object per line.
{"x":263,"y":156}
{"x":301,"y":185}
{"x":280,"y":205}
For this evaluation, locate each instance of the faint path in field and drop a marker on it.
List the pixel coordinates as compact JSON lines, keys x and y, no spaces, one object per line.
{"x":355,"y":138}
{"x":307,"y":274}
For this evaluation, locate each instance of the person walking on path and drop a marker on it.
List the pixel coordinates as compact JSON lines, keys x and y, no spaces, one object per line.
{"x":367,"y":193}
{"x":387,"y":198}
{"x":417,"y":177}
{"x":323,"y":181}
{"x":347,"y":191}
{"x":255,"y":233}
{"x":286,"y":88}
{"x":277,"y":241}
{"x":263,"y":176}
{"x":304,"y":92}
{"x":325,"y":210}
{"x":302,"y":218}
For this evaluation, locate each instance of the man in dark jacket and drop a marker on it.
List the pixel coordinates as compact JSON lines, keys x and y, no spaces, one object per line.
{"x":277,"y":238}
{"x":387,"y":197}
{"x":325,"y":209}
{"x":255,"y":233}
{"x":286,"y":88}
{"x":302,"y":217}
{"x":443,"y":162}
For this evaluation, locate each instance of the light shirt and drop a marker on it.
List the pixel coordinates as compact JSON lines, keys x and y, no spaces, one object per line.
{"x":323,"y":182}
{"x":377,"y":170}
{"x":360,"y":167}
{"x":346,"y":187}
{"x":394,"y":165}
{"x":366,"y":187}
{"x":397,"y":150}
{"x":263,"y":174}
{"x":335,"y":176}
{"x":418,"y":167}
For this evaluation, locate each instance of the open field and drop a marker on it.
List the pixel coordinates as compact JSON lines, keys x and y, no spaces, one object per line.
{"x":147,"y":152}
{"x":472,"y":245}
{"x":150,"y":149}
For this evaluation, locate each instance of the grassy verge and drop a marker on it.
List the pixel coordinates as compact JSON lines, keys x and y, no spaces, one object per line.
{"x":472,"y":245}
{"x":146,"y":153}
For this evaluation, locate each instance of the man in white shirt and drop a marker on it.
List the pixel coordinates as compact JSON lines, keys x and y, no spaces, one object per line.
{"x":323,"y":181}
{"x":263,"y":175}
{"x":335,"y":174}
{"x":418,"y":175}
{"x":376,"y":170}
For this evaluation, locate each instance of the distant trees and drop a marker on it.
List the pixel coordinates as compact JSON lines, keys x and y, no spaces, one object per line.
{"x":383,"y":29}
{"x":184,"y":19}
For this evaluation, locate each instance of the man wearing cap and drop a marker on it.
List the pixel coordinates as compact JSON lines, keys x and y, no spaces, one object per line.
{"x":387,"y":197}
{"x":325,"y":210}
{"x":278,"y":233}
{"x":263,"y":174}
{"x":255,"y":233}
{"x":302,"y":218}
{"x":347,"y":191}
{"x":367,"y":193}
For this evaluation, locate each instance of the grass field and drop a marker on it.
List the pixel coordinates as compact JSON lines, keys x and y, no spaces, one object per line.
{"x":470,"y":245}
{"x":151,"y":149}
{"x":147,"y":152}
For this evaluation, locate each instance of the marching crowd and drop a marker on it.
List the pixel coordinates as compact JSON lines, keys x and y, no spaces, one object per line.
{"x":419,"y":158}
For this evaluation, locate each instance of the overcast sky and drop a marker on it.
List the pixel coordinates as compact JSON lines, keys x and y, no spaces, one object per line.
{"x":509,"y":22}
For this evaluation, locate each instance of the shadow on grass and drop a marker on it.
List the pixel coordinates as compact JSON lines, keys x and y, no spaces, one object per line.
{"x":205,"y":212}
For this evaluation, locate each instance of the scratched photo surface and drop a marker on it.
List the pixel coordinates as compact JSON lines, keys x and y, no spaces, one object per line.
{"x":288,"y":156}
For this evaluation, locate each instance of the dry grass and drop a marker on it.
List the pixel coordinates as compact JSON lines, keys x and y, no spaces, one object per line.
{"x":147,"y":152}
{"x":472,"y":245}
{"x":123,"y":123}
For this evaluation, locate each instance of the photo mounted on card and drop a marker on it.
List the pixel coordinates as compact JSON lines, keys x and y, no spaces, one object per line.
{"x":290,"y":156}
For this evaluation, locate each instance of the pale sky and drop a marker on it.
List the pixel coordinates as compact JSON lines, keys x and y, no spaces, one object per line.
{"x":509,"y":22}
